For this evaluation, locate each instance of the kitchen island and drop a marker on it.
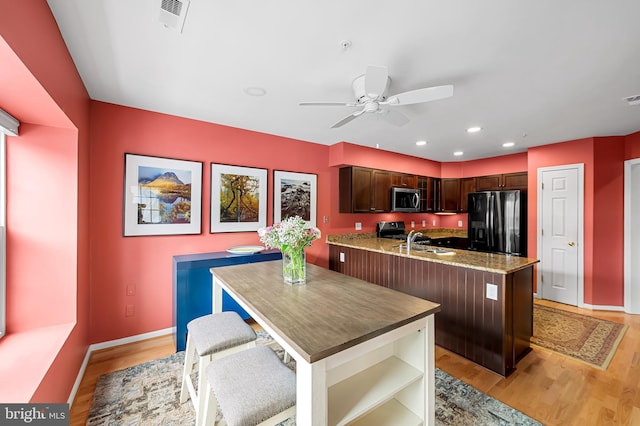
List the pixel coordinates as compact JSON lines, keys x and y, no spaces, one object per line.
{"x":486,"y":299}
{"x":363,"y":353}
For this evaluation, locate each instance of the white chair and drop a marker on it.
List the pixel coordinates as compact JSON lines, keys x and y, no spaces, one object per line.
{"x":252,"y":387}
{"x":209,"y":338}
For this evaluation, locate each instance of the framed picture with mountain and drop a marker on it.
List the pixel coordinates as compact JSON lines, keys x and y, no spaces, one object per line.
{"x":162,"y":196}
{"x":238,"y":198}
{"x":295,"y":194}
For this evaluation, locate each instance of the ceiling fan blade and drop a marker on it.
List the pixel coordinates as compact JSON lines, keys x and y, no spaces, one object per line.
{"x":347,"y":119}
{"x":348,"y":104}
{"x":420,"y":95}
{"x":395,"y":117}
{"x":376,"y":81}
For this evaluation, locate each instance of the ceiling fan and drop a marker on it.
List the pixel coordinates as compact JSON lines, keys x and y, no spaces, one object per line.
{"x":370,"y":92}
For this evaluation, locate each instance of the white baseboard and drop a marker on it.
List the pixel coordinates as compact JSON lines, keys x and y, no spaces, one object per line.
{"x":593,"y":307}
{"x":110,"y":344}
{"x":603,"y":307}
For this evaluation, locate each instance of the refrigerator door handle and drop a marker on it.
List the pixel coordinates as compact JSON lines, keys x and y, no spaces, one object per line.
{"x":490,"y":219}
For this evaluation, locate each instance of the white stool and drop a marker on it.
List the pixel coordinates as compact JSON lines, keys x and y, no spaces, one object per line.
{"x":253,"y":387}
{"x":211,"y":337}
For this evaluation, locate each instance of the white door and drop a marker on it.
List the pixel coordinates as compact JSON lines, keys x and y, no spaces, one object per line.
{"x":560,"y":216}
{"x":631,"y":236}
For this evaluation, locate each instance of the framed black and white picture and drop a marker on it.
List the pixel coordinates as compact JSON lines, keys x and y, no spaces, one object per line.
{"x":295,"y":194}
{"x":238,"y":198}
{"x":162,"y":196}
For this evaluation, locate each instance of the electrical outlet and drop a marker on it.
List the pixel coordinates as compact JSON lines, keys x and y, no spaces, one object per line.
{"x":358,"y":226}
{"x":459,"y":224}
{"x":492,"y":291}
{"x":131,"y":290}
{"x":129,"y":311}
{"x":326,"y":219}
{"x":342,"y":257}
{"x":434,"y":222}
{"x":413,"y":224}
{"x":424,"y":223}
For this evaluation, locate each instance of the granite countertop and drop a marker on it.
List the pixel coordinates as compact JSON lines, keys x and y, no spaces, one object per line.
{"x":490,"y":262}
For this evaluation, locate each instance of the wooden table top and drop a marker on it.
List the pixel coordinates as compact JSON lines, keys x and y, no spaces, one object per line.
{"x":330,"y":313}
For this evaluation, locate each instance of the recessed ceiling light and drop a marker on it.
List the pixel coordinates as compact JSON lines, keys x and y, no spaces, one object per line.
{"x":474,"y":129}
{"x":458,"y":153}
{"x":421,"y":143}
{"x":255,"y":91}
{"x":508,"y":144}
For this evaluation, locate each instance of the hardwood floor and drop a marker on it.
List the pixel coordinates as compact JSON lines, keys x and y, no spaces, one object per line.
{"x":550,"y":388}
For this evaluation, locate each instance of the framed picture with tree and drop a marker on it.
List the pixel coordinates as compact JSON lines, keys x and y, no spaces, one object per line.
{"x":238,"y":198}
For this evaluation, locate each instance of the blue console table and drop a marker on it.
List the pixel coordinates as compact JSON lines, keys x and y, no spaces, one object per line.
{"x":192,"y":288}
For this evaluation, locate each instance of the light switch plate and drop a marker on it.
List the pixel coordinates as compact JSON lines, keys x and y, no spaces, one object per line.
{"x":358,"y":226}
{"x":424,"y":223}
{"x":413,"y":224}
{"x":459,"y":224}
{"x":492,"y":291}
{"x":342,"y":257}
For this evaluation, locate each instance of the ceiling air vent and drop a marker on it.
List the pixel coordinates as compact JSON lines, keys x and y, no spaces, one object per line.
{"x":172,"y":13}
{"x":633,"y":100}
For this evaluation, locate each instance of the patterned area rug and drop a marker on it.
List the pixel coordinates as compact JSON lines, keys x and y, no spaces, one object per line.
{"x":590,"y":340}
{"x":149,"y":394}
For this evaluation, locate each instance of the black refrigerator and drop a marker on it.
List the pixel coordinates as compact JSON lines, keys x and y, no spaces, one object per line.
{"x":497,"y":222}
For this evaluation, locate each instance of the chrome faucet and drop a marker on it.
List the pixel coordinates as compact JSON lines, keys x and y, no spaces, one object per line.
{"x":411,"y":237}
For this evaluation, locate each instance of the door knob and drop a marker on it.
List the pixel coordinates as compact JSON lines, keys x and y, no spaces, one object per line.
{"x":571,"y":243}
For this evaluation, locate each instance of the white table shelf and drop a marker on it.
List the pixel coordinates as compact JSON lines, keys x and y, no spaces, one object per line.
{"x":361,"y":393}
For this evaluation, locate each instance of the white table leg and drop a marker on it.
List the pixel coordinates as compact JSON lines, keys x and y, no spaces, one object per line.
{"x":216,"y":297}
{"x":311,"y":394}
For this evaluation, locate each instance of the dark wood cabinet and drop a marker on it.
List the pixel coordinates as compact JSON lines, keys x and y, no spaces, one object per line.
{"x":364,"y":190}
{"x":494,"y":333}
{"x":404,"y":180}
{"x":502,"y":182}
{"x":467,"y":185}
{"x":427,"y":187}
{"x":449,"y":195}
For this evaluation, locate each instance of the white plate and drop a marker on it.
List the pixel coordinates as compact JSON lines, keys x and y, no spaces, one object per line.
{"x":245,"y":249}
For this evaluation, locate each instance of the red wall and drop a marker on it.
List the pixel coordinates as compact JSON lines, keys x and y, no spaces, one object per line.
{"x":632,"y":146}
{"x":603,"y":210}
{"x":608,"y":221}
{"x":145,"y":262}
{"x":47,"y":208}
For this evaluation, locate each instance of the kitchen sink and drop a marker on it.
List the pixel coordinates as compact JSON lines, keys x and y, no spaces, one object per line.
{"x":402,"y":248}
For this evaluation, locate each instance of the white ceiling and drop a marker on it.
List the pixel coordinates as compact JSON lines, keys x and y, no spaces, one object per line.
{"x":531,"y":72}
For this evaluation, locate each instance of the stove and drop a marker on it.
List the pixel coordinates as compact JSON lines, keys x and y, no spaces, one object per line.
{"x":393,"y":230}
{"x":396,"y":231}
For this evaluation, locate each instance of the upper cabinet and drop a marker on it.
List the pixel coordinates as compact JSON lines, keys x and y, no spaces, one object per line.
{"x":449,"y":195}
{"x":503,"y":182}
{"x":428,"y":194}
{"x":404,"y":180}
{"x":364,"y":190}
{"x":467,"y":185}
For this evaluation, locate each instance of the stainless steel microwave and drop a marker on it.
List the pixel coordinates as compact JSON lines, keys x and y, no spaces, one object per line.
{"x":405,"y":199}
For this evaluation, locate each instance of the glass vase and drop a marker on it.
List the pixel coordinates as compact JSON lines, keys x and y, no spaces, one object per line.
{"x":294,"y":267}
